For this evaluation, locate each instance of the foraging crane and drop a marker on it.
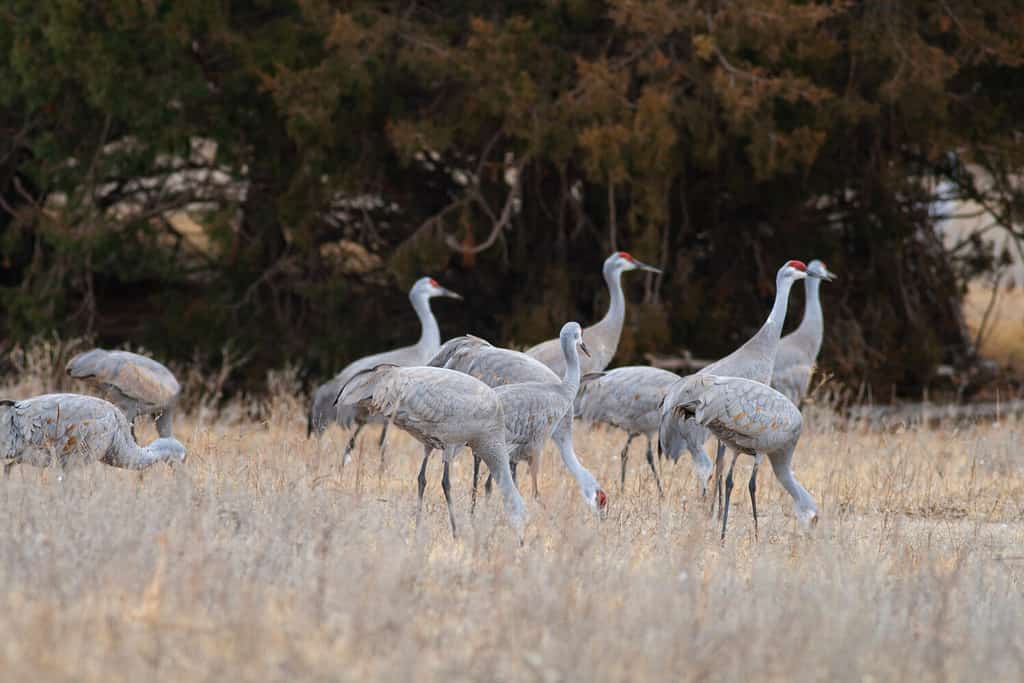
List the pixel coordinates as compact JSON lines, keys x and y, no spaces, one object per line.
{"x":496,"y":367}
{"x":752,"y":418}
{"x":67,"y":429}
{"x":442,"y":409}
{"x":629,"y":398}
{"x":136,"y":384}
{"x":798,"y":350}
{"x":323,"y":411}
{"x":602,"y":338}
{"x":754,"y":360}
{"x":534,"y":409}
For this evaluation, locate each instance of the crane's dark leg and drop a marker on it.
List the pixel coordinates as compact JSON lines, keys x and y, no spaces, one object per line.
{"x":752,"y":486}
{"x":476,"y":474}
{"x":487,"y":484}
{"x":654,"y":470}
{"x":422,"y":482}
{"x":717,"y":483}
{"x":347,"y":455}
{"x":382,"y":444}
{"x":8,"y":467}
{"x":728,"y":492}
{"x":446,"y":486}
{"x":624,"y":456}
{"x":512,"y":466}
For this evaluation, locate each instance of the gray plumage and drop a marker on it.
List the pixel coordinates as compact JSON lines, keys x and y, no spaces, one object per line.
{"x":136,"y":384}
{"x":497,"y":367}
{"x":323,"y":411}
{"x":749,"y":417}
{"x":72,"y":429}
{"x":798,"y":350}
{"x":601,"y":338}
{"x":630,"y":398}
{"x":441,"y":409}
{"x":754,"y":360}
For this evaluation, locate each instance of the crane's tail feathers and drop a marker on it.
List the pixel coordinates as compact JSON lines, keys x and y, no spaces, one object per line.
{"x":363,"y":385}
{"x":456,"y":346}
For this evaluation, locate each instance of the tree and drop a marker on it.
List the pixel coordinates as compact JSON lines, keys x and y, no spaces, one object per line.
{"x":507,"y":148}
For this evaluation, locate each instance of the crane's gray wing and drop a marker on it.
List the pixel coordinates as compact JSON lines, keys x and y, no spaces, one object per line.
{"x":628,"y":398}
{"x":496,"y":367}
{"x":64,"y":426}
{"x":377,"y":389}
{"x":747,"y":414}
{"x":456,"y":347}
{"x":532,"y":410}
{"x":550,"y":354}
{"x":793,"y":381}
{"x":137,"y":377}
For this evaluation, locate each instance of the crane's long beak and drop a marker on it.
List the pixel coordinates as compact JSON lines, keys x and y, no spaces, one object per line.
{"x":830,"y":276}
{"x":450,"y":294}
{"x":584,"y":349}
{"x":643,"y":266}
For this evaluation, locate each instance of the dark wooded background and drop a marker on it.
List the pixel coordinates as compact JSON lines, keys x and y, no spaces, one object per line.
{"x":331,"y":152}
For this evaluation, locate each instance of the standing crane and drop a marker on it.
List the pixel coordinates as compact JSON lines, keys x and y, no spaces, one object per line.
{"x":67,"y":429}
{"x":323,"y":411}
{"x":752,"y":418}
{"x":136,"y":384}
{"x":629,"y":398}
{"x":442,"y":409}
{"x":602,"y":338}
{"x":754,"y":361}
{"x":798,"y":350}
{"x":497,"y":367}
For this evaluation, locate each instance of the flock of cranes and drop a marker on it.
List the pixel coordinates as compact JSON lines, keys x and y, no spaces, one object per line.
{"x":503,"y":404}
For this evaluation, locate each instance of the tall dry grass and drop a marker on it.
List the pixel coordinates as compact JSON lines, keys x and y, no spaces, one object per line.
{"x":263,"y":558}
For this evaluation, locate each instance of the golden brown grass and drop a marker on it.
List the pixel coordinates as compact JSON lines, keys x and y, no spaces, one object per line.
{"x":262,"y":558}
{"x":1003,"y":339}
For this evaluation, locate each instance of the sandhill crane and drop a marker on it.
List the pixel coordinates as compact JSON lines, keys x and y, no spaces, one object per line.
{"x":630,"y":398}
{"x":798,"y":350}
{"x":495,"y":367}
{"x":67,"y":429}
{"x":442,"y":409}
{"x":136,"y":384}
{"x":602,"y":338}
{"x":534,"y":409}
{"x":323,"y":411}
{"x":754,"y":360}
{"x":750,"y":417}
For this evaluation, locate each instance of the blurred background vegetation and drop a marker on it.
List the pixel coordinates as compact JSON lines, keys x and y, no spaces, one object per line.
{"x":270,"y":177}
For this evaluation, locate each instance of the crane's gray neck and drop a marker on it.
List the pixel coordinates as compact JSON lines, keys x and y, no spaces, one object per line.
{"x":572,"y":364}
{"x":812,"y":327}
{"x":127,"y":454}
{"x":771,"y":331}
{"x":611,"y":324}
{"x":804,"y":502}
{"x":165,"y":423}
{"x":430,"y":334}
{"x":562,"y":437}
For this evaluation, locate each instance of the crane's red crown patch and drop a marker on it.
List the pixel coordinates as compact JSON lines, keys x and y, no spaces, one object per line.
{"x":799,"y":265}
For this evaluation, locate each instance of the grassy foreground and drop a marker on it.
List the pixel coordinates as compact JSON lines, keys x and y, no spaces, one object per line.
{"x":262,"y":558}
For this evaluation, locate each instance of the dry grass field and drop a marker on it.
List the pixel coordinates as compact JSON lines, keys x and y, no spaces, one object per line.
{"x":263,"y":559}
{"x":1003,"y":336}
